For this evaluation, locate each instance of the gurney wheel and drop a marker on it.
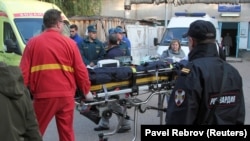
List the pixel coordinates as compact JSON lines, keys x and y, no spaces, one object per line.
{"x":107,"y":114}
{"x":101,"y":135}
{"x":122,"y":102}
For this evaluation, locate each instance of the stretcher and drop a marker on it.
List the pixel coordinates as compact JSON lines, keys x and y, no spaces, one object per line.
{"x":125,"y":77}
{"x":157,"y":78}
{"x":141,"y":78}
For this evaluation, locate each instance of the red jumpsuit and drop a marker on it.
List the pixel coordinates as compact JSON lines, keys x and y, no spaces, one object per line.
{"x":52,"y":68}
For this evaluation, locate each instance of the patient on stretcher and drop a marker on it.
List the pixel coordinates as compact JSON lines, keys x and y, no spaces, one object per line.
{"x":122,"y":76}
{"x":119,"y":78}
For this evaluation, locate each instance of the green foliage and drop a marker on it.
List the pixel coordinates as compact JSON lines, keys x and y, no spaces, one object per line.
{"x":88,"y":8}
{"x":79,"y":7}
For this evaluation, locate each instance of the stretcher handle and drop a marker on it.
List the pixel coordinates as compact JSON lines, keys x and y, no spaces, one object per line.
{"x":159,"y":70}
{"x":132,"y":101}
{"x":143,"y":110}
{"x":100,"y":102}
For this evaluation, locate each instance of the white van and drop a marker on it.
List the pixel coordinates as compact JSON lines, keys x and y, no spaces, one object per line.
{"x":19,"y":21}
{"x":178,"y":26}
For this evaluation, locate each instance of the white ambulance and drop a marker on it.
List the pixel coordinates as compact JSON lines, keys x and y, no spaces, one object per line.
{"x":19,"y":21}
{"x":178,"y":26}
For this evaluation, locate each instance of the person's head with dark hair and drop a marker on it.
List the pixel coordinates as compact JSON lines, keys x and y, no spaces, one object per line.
{"x":200,"y":31}
{"x":73,"y":26}
{"x":53,"y":19}
{"x":113,"y":40}
{"x":73,"y":30}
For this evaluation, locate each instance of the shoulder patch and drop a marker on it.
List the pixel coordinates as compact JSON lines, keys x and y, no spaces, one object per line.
{"x":185,"y":70}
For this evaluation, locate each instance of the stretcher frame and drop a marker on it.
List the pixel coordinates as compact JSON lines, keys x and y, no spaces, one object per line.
{"x":159,"y":85}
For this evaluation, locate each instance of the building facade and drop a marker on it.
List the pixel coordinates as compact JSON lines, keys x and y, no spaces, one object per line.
{"x":233,"y":19}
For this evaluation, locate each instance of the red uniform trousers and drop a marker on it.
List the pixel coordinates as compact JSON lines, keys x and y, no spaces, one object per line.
{"x":63,"y":110}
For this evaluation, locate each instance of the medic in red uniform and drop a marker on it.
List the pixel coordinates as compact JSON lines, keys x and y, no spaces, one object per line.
{"x":53,"y":68}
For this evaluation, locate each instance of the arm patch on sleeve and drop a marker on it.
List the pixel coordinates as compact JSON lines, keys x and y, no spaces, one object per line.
{"x":186,"y":69}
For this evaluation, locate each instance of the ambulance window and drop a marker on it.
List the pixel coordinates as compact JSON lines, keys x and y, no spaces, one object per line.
{"x":174,"y":33}
{"x":28,"y":28}
{"x":8,"y":33}
{"x":10,"y":40}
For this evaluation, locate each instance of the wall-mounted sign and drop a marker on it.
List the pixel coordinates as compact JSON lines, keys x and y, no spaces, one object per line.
{"x":229,"y":8}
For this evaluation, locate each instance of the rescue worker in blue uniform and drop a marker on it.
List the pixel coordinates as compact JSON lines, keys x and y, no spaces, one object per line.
{"x":196,"y":97}
{"x":92,"y":49}
{"x":123,"y":45}
{"x":125,"y":39}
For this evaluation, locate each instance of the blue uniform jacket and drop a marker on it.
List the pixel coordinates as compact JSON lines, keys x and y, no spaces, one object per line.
{"x":127,"y":41}
{"x":78,"y":39}
{"x":114,"y":52}
{"x":124,"y":47}
{"x":91,"y":51}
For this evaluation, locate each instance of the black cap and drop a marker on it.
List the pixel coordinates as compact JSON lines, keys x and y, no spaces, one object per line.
{"x":91,"y":28}
{"x":201,"y":30}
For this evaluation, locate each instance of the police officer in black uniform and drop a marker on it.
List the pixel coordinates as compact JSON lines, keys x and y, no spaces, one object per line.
{"x":197,"y":97}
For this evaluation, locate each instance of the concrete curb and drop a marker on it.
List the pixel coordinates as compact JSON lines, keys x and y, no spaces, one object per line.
{"x":232,"y":59}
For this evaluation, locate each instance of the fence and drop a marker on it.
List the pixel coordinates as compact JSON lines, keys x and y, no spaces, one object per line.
{"x":102,"y":24}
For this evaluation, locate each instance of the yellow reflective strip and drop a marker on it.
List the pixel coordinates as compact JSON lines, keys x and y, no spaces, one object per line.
{"x":139,"y":81}
{"x":185,"y":70}
{"x":133,"y":69}
{"x":171,"y":66}
{"x":51,"y":67}
{"x":110,"y":85}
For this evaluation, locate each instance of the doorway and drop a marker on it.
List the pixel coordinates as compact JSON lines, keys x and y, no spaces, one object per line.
{"x":232,"y":29}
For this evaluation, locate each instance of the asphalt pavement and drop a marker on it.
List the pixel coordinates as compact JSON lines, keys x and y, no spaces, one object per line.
{"x":84,"y":127}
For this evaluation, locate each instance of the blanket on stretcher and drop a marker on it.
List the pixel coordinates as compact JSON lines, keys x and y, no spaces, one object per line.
{"x":118,"y":76}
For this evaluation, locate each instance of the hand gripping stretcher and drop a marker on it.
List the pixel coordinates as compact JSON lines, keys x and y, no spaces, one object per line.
{"x":110,"y":83}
